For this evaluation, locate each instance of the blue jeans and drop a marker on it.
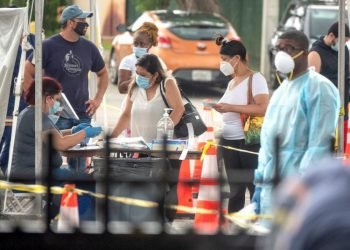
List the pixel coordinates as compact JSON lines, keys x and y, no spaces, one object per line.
{"x":64,"y":123}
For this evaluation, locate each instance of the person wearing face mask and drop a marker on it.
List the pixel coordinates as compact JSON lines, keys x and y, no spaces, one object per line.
{"x":145,"y":38}
{"x":145,"y":106}
{"x":234,"y":102}
{"x":69,"y":57}
{"x":323,"y":56}
{"x":302,"y":114}
{"x":23,"y":164}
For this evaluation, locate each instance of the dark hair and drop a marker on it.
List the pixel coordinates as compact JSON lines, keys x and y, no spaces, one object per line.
{"x":64,"y":25}
{"x":50,"y":87}
{"x":152,"y":64}
{"x":335,"y":28}
{"x":299,"y":37}
{"x":231,"y":47}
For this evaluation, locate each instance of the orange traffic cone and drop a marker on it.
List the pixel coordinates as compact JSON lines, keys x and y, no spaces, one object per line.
{"x":202,"y":140}
{"x":347,"y":141}
{"x":184,"y":189}
{"x":69,"y":215}
{"x":207,"y":221}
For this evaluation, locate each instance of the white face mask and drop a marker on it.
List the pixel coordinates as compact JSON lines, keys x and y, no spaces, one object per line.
{"x":226,"y":68}
{"x":335,"y":46}
{"x":284,"y":63}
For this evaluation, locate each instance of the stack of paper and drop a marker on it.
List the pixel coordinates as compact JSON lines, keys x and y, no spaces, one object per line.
{"x":129,"y":142}
{"x":171,"y":145}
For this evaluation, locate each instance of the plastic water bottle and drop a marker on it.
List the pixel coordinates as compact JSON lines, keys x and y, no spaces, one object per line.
{"x":165,"y":126}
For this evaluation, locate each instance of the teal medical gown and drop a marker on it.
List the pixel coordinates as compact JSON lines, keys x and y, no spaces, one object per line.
{"x":303,"y":113}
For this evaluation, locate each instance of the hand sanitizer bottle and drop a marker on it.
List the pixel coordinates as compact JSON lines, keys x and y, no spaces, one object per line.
{"x":165,"y":126}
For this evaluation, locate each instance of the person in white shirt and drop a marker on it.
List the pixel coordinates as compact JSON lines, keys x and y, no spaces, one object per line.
{"x":234,"y":103}
{"x":145,"y":107}
{"x":144,"y":104}
{"x":145,"y":38}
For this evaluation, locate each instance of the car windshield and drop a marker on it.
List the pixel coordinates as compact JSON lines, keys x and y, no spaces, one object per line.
{"x":194,"y":26}
{"x":321,"y":18}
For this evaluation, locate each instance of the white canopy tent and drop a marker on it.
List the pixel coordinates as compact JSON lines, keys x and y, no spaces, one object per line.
{"x":11,"y":28}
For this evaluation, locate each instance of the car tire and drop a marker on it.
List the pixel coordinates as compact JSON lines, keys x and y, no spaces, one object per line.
{"x":113,"y":72}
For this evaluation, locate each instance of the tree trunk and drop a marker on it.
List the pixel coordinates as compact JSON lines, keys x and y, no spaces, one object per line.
{"x":205,"y":6}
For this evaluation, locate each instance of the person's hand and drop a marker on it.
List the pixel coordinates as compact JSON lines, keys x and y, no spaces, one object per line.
{"x":92,"y":106}
{"x":256,"y":199}
{"x":92,"y":131}
{"x":222,"y":107}
{"x":79,"y":127}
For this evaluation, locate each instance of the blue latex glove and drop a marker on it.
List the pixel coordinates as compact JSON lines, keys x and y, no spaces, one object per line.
{"x":92,"y":131}
{"x":79,"y":127}
{"x":256,"y":199}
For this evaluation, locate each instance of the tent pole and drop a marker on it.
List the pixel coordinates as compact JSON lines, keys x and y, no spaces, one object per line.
{"x":341,"y":73}
{"x":38,"y":97}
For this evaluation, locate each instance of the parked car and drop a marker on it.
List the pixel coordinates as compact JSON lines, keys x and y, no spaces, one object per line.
{"x":310,"y":16}
{"x":185,"y":44}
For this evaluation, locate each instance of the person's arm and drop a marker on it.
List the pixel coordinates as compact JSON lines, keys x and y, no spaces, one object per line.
{"x":63,"y":142}
{"x":322,"y":104}
{"x":101,"y":89}
{"x":173,"y":96}
{"x":260,"y":95}
{"x":314,"y":60}
{"x":124,"y":120}
{"x":124,"y":80}
{"x":29,"y":74}
{"x":66,"y":132}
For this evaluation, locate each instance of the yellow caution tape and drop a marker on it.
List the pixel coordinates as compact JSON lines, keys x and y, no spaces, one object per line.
{"x":206,"y":147}
{"x":212,"y":144}
{"x":238,"y":149}
{"x":39,"y":189}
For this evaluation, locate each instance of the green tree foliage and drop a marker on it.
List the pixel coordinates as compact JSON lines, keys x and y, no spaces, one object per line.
{"x":142,"y":5}
{"x":50,"y":22}
{"x":208,"y":5}
{"x":17,"y":3}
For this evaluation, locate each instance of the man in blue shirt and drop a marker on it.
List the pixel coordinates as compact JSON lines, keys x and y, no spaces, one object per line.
{"x":69,"y":57}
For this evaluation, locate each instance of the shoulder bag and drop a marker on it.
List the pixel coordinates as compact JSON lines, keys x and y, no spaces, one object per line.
{"x":190,"y":115}
{"x":251,"y":124}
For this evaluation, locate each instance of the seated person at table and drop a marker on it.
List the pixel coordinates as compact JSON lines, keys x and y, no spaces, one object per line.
{"x":23,"y":164}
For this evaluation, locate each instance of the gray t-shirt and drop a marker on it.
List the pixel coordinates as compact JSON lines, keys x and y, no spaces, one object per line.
{"x":23,"y":163}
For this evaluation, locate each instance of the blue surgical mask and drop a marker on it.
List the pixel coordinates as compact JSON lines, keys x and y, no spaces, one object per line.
{"x":142,"y":82}
{"x":138,"y":51}
{"x":55,"y":108}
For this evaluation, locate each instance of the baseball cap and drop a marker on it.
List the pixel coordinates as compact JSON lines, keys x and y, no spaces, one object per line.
{"x":73,"y":11}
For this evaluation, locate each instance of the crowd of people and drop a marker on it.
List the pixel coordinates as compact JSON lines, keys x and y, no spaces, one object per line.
{"x":302,"y":114}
